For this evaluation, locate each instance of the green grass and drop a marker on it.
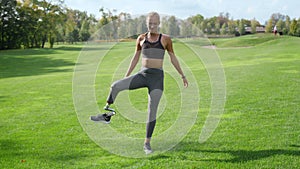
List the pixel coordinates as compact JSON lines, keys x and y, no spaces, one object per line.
{"x":245,"y":41}
{"x":259,"y":128}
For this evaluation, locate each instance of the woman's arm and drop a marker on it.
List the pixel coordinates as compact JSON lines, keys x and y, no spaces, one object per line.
{"x":174,"y":60}
{"x":136,"y":57}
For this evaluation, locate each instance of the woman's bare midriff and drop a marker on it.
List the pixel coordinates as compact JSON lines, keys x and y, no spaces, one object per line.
{"x":152,"y":63}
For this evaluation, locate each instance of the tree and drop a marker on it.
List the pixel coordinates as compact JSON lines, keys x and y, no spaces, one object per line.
{"x":173,"y":28}
{"x":132,"y":27}
{"x":186,"y":30}
{"x":85,"y":24}
{"x":41,"y":17}
{"x":269,"y":26}
{"x":123,"y":30}
{"x":223,"y":29}
{"x":276,"y":17}
{"x":127,"y":26}
{"x":231,"y":27}
{"x":223,"y":19}
{"x":70,"y":26}
{"x":84,"y":33}
{"x":204,"y":26}
{"x":29,"y":17}
{"x":32,"y":23}
{"x":280,"y":25}
{"x":287,"y":25}
{"x":293,"y":27}
{"x":8,"y":24}
{"x":242,"y":27}
{"x":217,"y":27}
{"x":141,"y":24}
{"x":209,"y":28}
{"x":298,"y":27}
{"x":164,"y":27}
{"x":196,"y":20}
{"x":51,"y":12}
{"x":108,"y":25}
{"x":254,"y":24}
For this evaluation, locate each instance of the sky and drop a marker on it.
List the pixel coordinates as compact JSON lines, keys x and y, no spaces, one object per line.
{"x":261,"y":10}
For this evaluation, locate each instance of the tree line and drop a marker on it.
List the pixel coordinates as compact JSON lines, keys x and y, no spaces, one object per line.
{"x":33,"y":23}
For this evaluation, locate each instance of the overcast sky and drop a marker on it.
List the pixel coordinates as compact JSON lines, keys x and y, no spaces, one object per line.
{"x":261,"y":10}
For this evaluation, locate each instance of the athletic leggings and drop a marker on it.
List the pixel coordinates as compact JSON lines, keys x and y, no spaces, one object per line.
{"x":151,"y":78}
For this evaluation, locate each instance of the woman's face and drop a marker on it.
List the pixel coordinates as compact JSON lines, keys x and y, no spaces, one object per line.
{"x":153,"y":24}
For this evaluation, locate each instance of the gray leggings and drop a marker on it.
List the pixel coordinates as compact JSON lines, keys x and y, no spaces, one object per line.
{"x":151,"y":78}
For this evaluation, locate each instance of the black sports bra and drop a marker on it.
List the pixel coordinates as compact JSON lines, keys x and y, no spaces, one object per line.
{"x":153,"y":50}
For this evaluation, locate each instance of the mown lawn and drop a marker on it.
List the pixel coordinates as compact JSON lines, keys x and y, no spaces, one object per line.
{"x":258,"y":129}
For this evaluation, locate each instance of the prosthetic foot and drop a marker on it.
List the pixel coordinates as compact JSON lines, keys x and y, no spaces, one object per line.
{"x":105,"y":117}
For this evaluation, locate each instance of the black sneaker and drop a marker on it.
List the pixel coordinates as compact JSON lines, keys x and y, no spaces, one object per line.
{"x":147,"y":148}
{"x":105,"y":118}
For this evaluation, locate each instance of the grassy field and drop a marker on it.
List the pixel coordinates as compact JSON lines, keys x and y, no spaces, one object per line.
{"x":259,"y":128}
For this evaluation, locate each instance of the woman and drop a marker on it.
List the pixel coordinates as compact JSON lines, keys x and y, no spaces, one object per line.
{"x":151,"y":46}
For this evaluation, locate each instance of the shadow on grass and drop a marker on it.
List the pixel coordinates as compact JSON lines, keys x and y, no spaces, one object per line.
{"x":31,"y":62}
{"x":294,"y":145}
{"x":248,"y":155}
{"x":85,"y":48}
{"x":2,"y":98}
{"x":28,"y":62}
{"x":7,"y":145}
{"x":236,"y":156}
{"x":10,"y":149}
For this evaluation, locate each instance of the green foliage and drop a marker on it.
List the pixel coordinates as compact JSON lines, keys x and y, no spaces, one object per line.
{"x":217,"y":28}
{"x":280,"y":25}
{"x":173,"y":26}
{"x":269,"y":26}
{"x":295,"y":27}
{"x":254,"y":24}
{"x":8,"y":25}
{"x":31,"y":24}
{"x":241,"y":27}
{"x":223,"y":29}
{"x":231,"y":27}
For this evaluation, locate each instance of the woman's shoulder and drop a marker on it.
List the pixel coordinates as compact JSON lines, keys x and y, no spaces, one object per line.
{"x":141,"y":37}
{"x":165,"y":35}
{"x":166,"y":38}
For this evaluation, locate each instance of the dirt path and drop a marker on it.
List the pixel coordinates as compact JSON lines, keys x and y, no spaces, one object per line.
{"x":215,"y":47}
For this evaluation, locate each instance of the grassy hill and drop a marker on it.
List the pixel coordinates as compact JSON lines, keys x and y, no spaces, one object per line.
{"x":258,"y":129}
{"x":250,"y":40}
